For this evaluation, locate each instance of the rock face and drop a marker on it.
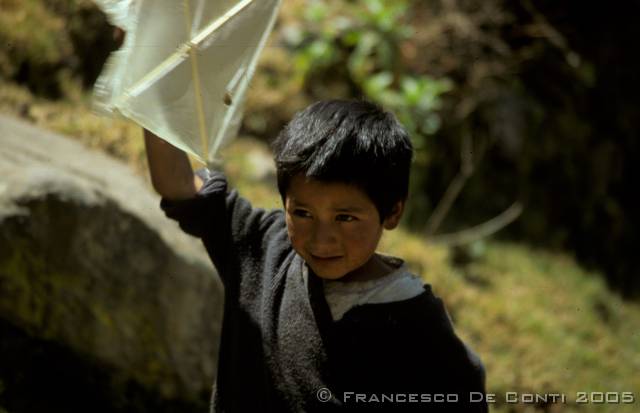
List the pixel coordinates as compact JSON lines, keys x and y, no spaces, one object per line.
{"x":104,"y":304}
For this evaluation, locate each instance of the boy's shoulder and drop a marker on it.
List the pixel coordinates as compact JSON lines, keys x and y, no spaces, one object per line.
{"x":425,"y":310}
{"x":417,"y":326}
{"x":413,"y":344}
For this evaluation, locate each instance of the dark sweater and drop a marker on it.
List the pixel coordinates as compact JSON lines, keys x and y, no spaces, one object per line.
{"x":279,"y":345}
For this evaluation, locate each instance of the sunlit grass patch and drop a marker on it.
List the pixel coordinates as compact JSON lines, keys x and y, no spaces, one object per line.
{"x":543,"y":327}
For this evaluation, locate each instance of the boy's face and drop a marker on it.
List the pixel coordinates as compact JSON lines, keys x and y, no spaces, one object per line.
{"x":334,"y":226}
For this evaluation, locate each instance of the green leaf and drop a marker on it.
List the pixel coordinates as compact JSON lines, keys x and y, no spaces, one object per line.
{"x":317,"y":11}
{"x":376,"y":84}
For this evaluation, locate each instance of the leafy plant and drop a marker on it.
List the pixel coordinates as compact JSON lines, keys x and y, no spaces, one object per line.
{"x":363,"y":39}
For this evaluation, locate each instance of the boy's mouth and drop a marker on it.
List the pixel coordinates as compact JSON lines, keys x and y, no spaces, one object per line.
{"x":325,"y":258}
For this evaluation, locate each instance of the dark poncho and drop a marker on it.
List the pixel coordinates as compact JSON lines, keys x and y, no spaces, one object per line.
{"x":281,"y":351}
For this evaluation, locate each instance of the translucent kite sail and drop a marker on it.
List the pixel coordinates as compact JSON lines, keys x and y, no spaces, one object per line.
{"x":184,"y":67}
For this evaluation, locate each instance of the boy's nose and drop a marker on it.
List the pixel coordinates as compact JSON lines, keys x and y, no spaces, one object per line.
{"x":324,"y":235}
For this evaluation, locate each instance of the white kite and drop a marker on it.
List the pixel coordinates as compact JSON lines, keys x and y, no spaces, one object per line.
{"x":184,"y":67}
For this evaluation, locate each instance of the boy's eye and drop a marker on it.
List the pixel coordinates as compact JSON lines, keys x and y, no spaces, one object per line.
{"x":301,"y":213}
{"x":345,"y":218}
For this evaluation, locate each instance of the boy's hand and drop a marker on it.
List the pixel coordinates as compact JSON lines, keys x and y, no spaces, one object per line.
{"x":171,"y":173}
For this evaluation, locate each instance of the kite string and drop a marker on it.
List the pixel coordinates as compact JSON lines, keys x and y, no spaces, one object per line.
{"x":193,"y":53}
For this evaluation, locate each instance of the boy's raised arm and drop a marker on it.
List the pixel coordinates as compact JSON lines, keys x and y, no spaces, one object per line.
{"x":171,"y":173}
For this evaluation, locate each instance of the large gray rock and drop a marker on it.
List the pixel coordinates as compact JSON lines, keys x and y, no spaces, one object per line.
{"x":89,"y":264}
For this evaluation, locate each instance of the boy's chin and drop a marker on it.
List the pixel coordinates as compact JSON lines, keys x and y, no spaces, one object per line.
{"x":327,"y":269}
{"x":327,"y":275}
{"x":372,"y":269}
{"x":336,"y":274}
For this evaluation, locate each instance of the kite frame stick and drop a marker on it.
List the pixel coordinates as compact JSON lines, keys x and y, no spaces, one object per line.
{"x":182,"y":53}
{"x":195,"y":73}
{"x":248,"y":74}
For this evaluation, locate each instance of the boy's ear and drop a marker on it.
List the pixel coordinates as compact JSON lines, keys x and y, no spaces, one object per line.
{"x":392,"y":221}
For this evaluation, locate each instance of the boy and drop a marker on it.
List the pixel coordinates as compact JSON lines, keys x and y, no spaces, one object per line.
{"x":314,"y":319}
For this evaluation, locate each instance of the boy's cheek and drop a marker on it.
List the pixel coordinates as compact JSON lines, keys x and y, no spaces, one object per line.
{"x":365,"y":232}
{"x":295,"y":236}
{"x":290,"y":226}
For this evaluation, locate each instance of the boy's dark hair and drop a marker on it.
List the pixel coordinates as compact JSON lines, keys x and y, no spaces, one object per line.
{"x":354,"y":142}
